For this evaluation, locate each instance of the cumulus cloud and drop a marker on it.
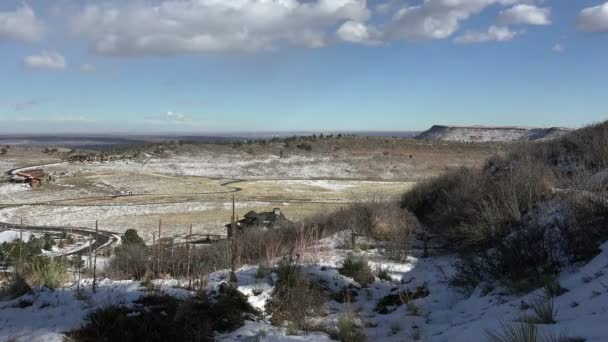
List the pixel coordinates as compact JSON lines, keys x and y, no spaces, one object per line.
{"x":436,"y":19}
{"x":356,"y":32}
{"x":88,"y":68}
{"x":525,"y":14}
{"x":21,"y":24}
{"x":191,"y":26}
{"x":46,"y":60}
{"x":493,"y":34}
{"x":593,"y":19}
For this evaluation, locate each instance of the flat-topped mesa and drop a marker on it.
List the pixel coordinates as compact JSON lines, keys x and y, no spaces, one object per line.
{"x":491,"y":134}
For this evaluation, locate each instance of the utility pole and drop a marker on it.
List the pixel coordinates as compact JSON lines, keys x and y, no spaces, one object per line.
{"x":189,"y":248}
{"x":233,"y":225}
{"x":20,"y":245}
{"x":95,"y":260}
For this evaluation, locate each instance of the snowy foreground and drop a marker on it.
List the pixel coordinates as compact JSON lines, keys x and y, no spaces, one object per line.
{"x":446,"y":314}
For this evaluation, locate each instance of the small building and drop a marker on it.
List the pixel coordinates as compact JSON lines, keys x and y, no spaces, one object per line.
{"x":266,"y":220}
{"x":33,"y":177}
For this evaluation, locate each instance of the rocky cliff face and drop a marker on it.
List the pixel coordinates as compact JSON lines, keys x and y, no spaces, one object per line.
{"x":490,"y":134}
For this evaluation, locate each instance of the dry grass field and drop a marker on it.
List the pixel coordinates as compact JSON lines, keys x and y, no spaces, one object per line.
{"x":193,"y":184}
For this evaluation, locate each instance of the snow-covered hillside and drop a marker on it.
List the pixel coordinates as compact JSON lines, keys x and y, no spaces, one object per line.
{"x":443,"y":314}
{"x":490,"y":134}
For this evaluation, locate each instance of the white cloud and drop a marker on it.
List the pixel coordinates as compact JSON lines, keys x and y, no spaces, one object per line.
{"x":88,"y":68}
{"x":46,"y":60}
{"x":356,"y":32}
{"x":436,"y":19}
{"x":593,"y":19}
{"x":494,"y":34}
{"x":170,"y":116}
{"x":558,"y":48}
{"x":173,"y":116}
{"x":525,"y":14}
{"x":194,"y":26}
{"x":20,"y":24}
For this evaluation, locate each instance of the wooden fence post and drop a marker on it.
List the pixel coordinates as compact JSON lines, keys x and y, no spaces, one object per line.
{"x":160,"y":250}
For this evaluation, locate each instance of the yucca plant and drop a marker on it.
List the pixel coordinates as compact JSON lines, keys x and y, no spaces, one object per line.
{"x":544,"y":312}
{"x":51,"y":273}
{"x":524,"y":332}
{"x":553,"y":289}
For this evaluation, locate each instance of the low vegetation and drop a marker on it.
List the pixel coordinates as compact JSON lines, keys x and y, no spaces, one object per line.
{"x":165,"y":318}
{"x":357,"y":267}
{"x":295,"y":298}
{"x":522,"y":216}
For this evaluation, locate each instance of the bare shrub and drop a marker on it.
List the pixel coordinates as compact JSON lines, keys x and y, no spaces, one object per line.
{"x":131,"y":261}
{"x":473,"y":208}
{"x":584,"y":229}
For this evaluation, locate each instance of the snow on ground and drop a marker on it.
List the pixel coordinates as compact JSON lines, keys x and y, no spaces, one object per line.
{"x":239,"y":166}
{"x":68,"y":249}
{"x":9,"y":189}
{"x":446,"y":314}
{"x":76,"y":216}
{"x":12,"y":235}
{"x":53,"y":312}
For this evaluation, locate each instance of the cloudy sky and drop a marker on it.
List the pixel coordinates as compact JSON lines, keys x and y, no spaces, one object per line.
{"x":261,"y":65}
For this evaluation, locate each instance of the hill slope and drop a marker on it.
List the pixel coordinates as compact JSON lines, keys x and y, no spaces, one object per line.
{"x":490,"y":134}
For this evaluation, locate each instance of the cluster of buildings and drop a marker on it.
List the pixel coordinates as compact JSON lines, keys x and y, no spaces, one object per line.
{"x":33,"y":177}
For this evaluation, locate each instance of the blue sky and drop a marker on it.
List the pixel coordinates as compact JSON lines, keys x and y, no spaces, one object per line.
{"x":295,"y":65}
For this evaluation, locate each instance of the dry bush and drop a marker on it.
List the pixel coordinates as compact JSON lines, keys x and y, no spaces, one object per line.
{"x":130,"y":261}
{"x":16,"y":286}
{"x":491,"y":214}
{"x":471,"y":209}
{"x":295,"y":299}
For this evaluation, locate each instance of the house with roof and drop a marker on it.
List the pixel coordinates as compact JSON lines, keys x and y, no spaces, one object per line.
{"x":265,"y":220}
{"x":33,"y":177}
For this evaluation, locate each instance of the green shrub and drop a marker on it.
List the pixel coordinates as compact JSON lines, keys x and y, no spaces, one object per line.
{"x":357,"y":268}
